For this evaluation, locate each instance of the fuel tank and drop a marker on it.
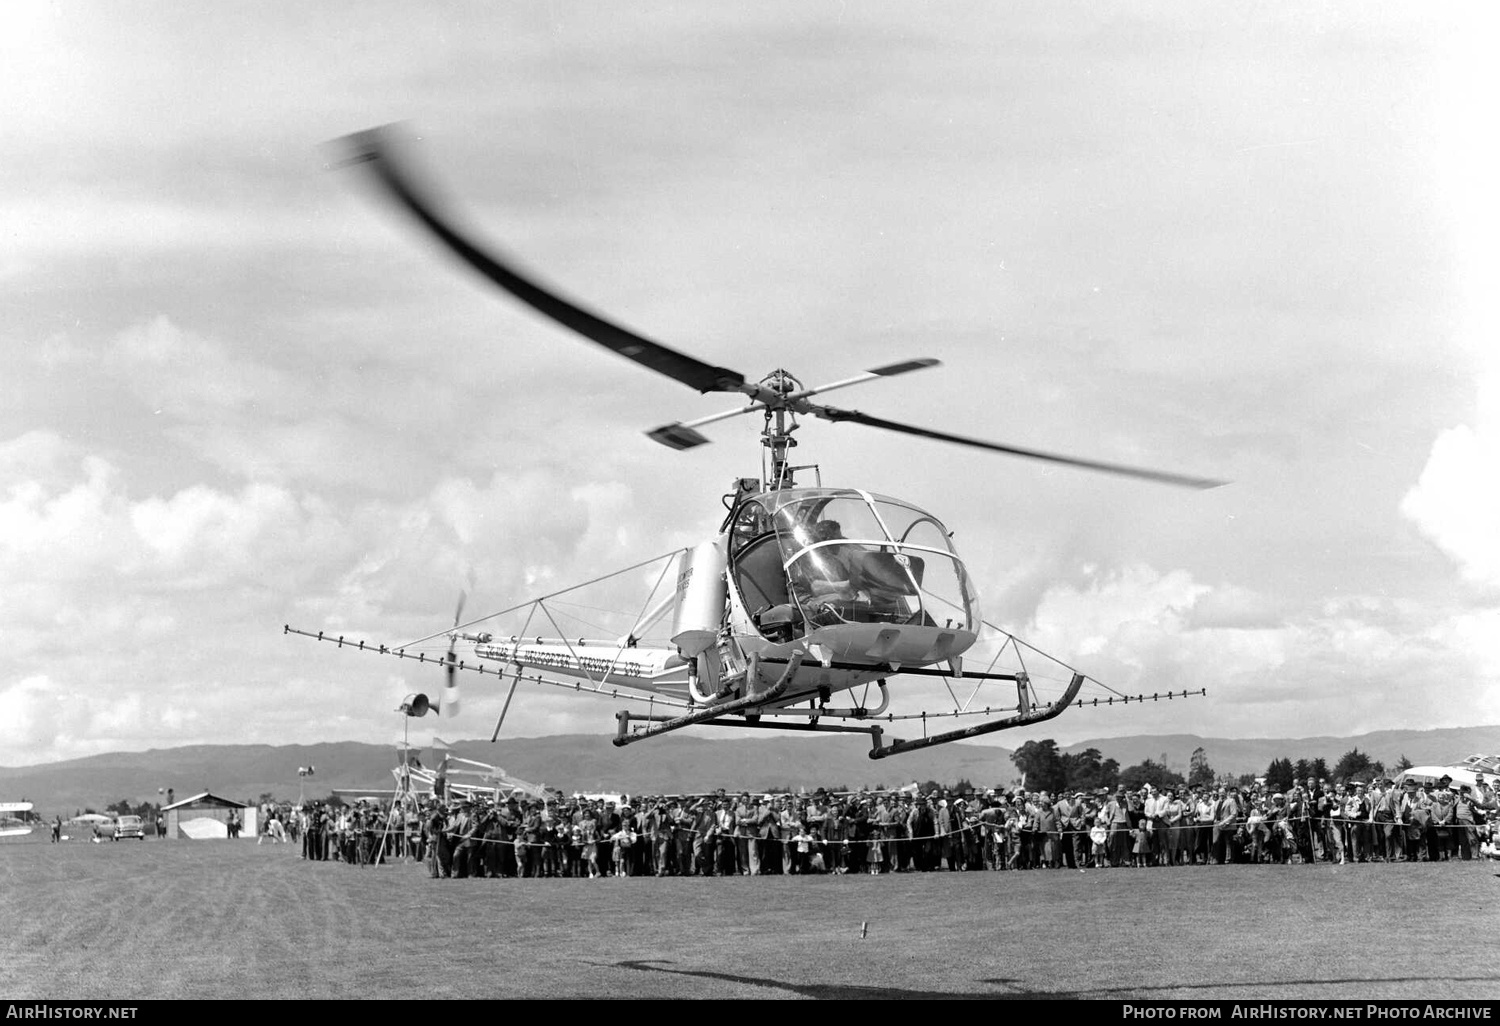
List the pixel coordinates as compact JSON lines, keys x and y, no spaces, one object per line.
{"x":700,"y":598}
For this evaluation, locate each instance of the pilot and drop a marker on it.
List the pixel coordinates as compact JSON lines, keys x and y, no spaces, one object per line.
{"x":827,"y":571}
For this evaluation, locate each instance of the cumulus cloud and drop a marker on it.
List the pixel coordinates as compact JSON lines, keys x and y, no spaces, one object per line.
{"x":51,"y":530}
{"x":46,"y":720}
{"x":1456,"y":501}
{"x":194,"y":377}
{"x":1134,"y":600}
{"x":138,"y":622}
{"x":1355,"y":663}
{"x":119,"y":609}
{"x":34,"y":458}
{"x":89,"y":528}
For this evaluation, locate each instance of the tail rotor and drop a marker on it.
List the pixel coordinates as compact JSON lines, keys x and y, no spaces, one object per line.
{"x":448,"y":705}
{"x":445,"y":704}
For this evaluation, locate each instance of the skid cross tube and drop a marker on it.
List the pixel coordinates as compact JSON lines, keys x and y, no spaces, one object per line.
{"x":624,"y":716}
{"x":887,"y":669}
{"x":1035,"y":714}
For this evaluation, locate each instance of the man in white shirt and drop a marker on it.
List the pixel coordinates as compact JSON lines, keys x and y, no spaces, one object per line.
{"x":1202,"y":812}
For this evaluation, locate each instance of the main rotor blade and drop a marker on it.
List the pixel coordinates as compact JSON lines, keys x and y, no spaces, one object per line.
{"x":870,"y":375}
{"x":1182,"y":480}
{"x":685,"y":435}
{"x":376,"y":147}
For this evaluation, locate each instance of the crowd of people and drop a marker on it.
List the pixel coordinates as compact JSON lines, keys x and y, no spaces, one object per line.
{"x":726,"y":835}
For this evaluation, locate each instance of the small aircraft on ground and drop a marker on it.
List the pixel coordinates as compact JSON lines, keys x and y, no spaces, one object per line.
{"x":449,"y":776}
{"x":16,"y":819}
{"x":1464,"y":773}
{"x":807,"y":592}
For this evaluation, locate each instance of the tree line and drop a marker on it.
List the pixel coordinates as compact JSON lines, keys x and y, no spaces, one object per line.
{"x":1044,"y":768}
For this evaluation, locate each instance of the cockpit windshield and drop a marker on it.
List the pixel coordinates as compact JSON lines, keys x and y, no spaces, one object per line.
{"x":845,"y":556}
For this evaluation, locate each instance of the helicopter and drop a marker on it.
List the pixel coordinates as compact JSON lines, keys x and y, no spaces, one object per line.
{"x":806,"y":592}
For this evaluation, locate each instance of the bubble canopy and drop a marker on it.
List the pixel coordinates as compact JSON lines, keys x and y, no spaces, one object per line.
{"x":846,"y":555}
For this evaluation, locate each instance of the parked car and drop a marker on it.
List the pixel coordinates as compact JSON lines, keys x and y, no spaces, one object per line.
{"x":130,"y":826}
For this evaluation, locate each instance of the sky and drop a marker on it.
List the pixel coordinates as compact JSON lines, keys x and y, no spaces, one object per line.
{"x":1250,"y":242}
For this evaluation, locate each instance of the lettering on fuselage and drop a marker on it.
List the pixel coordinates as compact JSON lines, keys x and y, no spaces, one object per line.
{"x":562,"y":660}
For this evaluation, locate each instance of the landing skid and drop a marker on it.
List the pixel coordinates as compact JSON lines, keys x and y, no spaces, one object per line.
{"x":1028,"y":715}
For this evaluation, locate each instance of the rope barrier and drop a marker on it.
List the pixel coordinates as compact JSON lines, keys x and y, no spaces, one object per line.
{"x":996,"y":838}
{"x":1009,"y":829}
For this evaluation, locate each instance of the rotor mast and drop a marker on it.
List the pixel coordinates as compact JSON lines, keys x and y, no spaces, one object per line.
{"x":777,"y":434}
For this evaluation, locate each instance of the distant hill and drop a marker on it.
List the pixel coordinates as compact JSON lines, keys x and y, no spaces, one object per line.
{"x":574,"y":762}
{"x":668,"y":765}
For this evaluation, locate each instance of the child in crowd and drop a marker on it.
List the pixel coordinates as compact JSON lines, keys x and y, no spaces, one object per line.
{"x":815,"y":862}
{"x":624,"y":840}
{"x":1141,"y":834}
{"x":1255,"y":833}
{"x":588,"y":835}
{"x":804,"y":842}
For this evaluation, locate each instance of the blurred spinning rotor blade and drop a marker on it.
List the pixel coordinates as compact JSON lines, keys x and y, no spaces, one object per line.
{"x":376,"y":147}
{"x":1160,"y":476}
{"x":448,"y":704}
{"x":458,"y":613}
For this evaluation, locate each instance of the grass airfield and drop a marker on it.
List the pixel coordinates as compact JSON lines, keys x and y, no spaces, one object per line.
{"x":184,"y":919}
